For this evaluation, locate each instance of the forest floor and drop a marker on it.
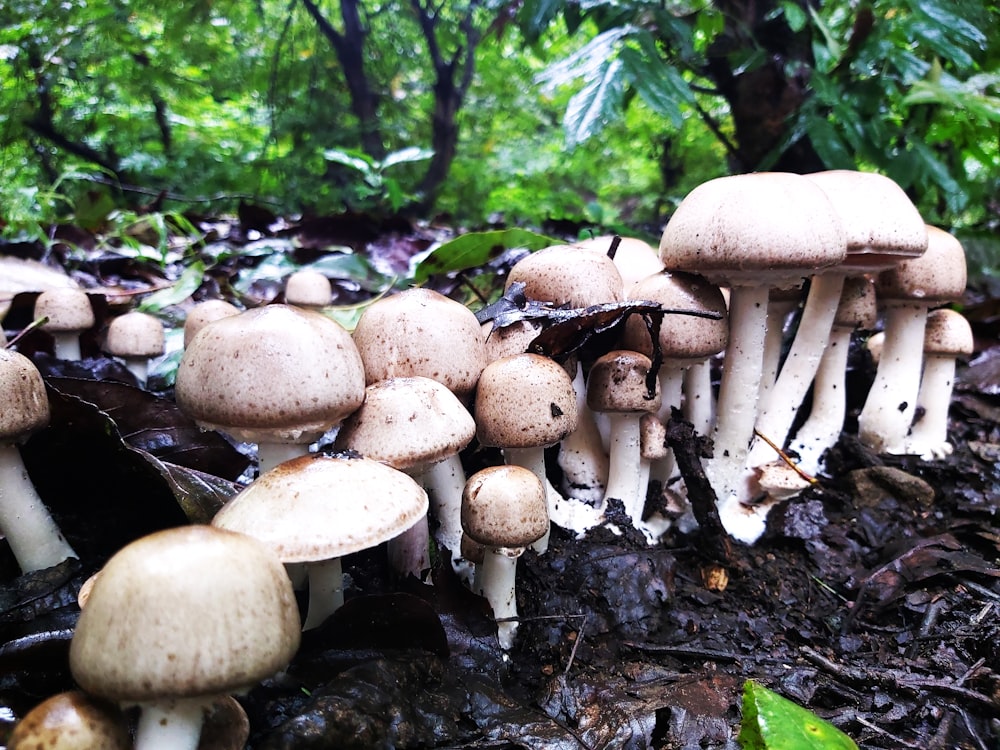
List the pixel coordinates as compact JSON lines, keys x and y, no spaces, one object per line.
{"x":873,"y":599}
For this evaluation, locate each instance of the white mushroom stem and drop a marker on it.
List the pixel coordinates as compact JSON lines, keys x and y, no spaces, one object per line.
{"x":409,"y":552}
{"x":699,"y":401}
{"x":533,"y":459}
{"x":671,"y":378}
{"x":66,"y":345}
{"x":581,"y":453}
{"x":31,"y":532}
{"x":778,"y":311}
{"x":444,"y":482}
{"x":496,"y":582}
{"x":822,"y":428}
{"x":326,"y":591}
{"x":929,"y":436}
{"x":624,"y":474}
{"x":270,"y":455}
{"x":139,"y":367}
{"x":777,"y":411}
{"x":891,"y":402}
{"x":171,"y":724}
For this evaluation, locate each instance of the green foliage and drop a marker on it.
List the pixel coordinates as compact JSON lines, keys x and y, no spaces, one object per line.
{"x":475,"y":249}
{"x":771,"y":722}
{"x":376,"y":190}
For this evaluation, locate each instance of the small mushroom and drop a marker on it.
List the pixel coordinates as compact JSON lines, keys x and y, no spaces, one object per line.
{"x":71,"y":721}
{"x":136,"y":337}
{"x":309,"y":289}
{"x":69,"y":314}
{"x":205,"y":312}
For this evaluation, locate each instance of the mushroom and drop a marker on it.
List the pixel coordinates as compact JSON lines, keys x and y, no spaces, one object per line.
{"x":204,"y":313}
{"x":619,"y":386}
{"x":635,"y":259}
{"x":749,"y":232}
{"x":947,"y":336}
{"x":32,"y":534}
{"x":309,"y":289}
{"x":504,"y":509}
{"x":71,"y":721}
{"x":135,"y":337}
{"x":178,"y":618}
{"x":822,"y":428}
{"x":781,"y":303}
{"x":418,"y":426}
{"x":69,"y":314}
{"x":906,"y":292}
{"x":277,"y":376}
{"x":422,"y":332}
{"x":316,"y":509}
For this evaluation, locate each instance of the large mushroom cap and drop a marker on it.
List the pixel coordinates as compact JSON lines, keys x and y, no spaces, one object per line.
{"x":273,"y":374}
{"x":421,"y":332}
{"x":765,"y":227}
{"x":187,"y":612}
{"x":318,"y":507}
{"x":25,"y":404}
{"x":135,"y":334}
{"x":67,"y":309}
{"x":937,"y":276}
{"x":568,"y":275}
{"x":407,"y":423}
{"x":524,"y":401}
{"x":504,"y":506}
{"x":883,"y":226}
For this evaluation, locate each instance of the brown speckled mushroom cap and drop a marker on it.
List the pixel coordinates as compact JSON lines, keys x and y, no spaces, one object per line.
{"x":883,"y":226}
{"x":421,"y":332}
{"x":747,"y":229}
{"x":187,"y":612}
{"x":617,"y":383}
{"x":319,"y":507}
{"x":273,"y":374}
{"x":504,"y":506}
{"x":682,"y":337}
{"x":204,"y":313}
{"x":66,"y":309}
{"x":937,"y":276}
{"x":948,"y":334}
{"x":524,"y":401}
{"x":135,"y":334}
{"x":71,"y":721}
{"x":408,"y":423}
{"x":857,"y":307}
{"x":635,"y":259}
{"x":567,"y":275}
{"x":308,"y":288}
{"x":22,"y":391}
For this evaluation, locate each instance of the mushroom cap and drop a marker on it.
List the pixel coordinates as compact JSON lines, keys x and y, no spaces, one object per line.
{"x":408,"y":423}
{"x":857,"y":307}
{"x":67,"y":309}
{"x":937,"y":276}
{"x":308,"y":288}
{"x":509,"y":339}
{"x":71,"y":721}
{"x":524,"y":401}
{"x":22,"y":390}
{"x":566,"y":275}
{"x":617,"y":383}
{"x":319,"y":507}
{"x":504,"y":506}
{"x":948,"y":334}
{"x":747,"y":229}
{"x":135,"y":334}
{"x":205,"y":312}
{"x":188,"y":612}
{"x":635,"y":259}
{"x":883,"y":226}
{"x":682,"y":337}
{"x":273,"y":374}
{"x":422,"y":332}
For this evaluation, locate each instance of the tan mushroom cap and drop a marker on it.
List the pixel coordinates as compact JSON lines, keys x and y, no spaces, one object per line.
{"x":71,"y":721}
{"x":682,"y":337}
{"x":509,"y":340}
{"x":635,"y":259}
{"x":273,"y":374}
{"x":189,"y":612}
{"x":408,"y":423}
{"x":135,"y":334}
{"x":524,"y":401}
{"x":504,"y":506}
{"x":204,"y":313}
{"x":948,"y":334}
{"x":566,"y":275}
{"x":765,"y":227}
{"x":308,"y":288}
{"x":882,"y":224}
{"x":319,"y":507}
{"x":22,"y":391}
{"x":937,"y":276}
{"x":617,"y":383}
{"x":421,"y":332}
{"x":857,"y":307}
{"x":66,"y":309}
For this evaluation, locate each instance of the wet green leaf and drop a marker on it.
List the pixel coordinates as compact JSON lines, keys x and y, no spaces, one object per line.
{"x":475,"y":249}
{"x":184,"y":287}
{"x":771,"y":722}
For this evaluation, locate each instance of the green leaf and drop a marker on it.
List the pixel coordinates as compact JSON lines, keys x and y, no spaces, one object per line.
{"x":406,"y":156}
{"x":475,"y":249}
{"x":828,"y":143}
{"x":351,"y":158}
{"x":184,"y":287}
{"x":794,"y":15}
{"x":595,"y":104}
{"x":771,"y":722}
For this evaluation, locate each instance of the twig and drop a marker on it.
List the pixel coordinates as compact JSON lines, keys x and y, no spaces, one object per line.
{"x":27,"y":329}
{"x":878,"y":730}
{"x":576,"y":644}
{"x":686,"y":651}
{"x":785,"y":457}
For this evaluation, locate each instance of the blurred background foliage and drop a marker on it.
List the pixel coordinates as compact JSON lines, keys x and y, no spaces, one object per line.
{"x":603,"y":112}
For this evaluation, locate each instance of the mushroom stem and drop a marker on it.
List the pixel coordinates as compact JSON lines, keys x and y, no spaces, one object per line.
{"x":888,"y":410}
{"x":270,"y":455}
{"x":444,"y":482}
{"x":66,"y":345}
{"x":533,"y":459}
{"x":173,"y":724}
{"x":409,"y":552}
{"x":139,"y":367}
{"x":671,"y":392}
{"x":31,"y":532}
{"x":581,"y":453}
{"x":699,"y":403}
{"x":929,"y":436}
{"x":496,"y":582}
{"x":624,"y":474}
{"x":326,"y":591}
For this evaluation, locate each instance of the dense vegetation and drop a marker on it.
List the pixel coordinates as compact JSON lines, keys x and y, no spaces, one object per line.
{"x":604,"y":112}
